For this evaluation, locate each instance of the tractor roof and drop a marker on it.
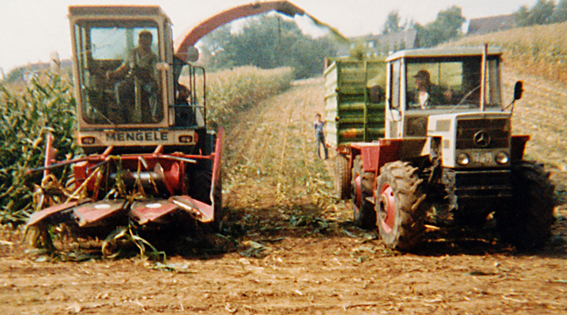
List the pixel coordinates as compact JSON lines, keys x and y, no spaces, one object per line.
{"x":444,"y":52}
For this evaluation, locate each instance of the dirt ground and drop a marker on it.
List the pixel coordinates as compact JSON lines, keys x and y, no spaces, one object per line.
{"x":289,"y":247}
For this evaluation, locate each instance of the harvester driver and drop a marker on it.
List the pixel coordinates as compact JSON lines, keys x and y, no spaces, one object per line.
{"x":138,"y":68}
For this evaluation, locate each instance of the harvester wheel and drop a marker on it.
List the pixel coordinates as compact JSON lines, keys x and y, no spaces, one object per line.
{"x":219,"y":213}
{"x":342,"y":176}
{"x":202,"y":192}
{"x":400,"y":208}
{"x":362,"y":185}
{"x":526,"y":221}
{"x":202,"y":186}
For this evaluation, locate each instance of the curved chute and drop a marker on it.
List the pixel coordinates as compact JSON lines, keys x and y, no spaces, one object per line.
{"x":185,"y":46}
{"x":205,"y":27}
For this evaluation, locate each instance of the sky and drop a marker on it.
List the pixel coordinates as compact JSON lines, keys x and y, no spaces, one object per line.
{"x":31,"y":30}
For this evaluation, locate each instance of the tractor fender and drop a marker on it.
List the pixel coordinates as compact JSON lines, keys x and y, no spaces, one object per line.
{"x":376,"y":154}
{"x":518,"y":146}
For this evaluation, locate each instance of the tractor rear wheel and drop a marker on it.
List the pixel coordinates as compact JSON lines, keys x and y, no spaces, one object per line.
{"x":342,"y":176}
{"x":400,"y":208}
{"x":526,"y":221}
{"x":362,"y":185}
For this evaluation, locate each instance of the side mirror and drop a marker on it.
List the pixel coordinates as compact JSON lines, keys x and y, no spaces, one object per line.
{"x":192,"y":54}
{"x":518,"y":90}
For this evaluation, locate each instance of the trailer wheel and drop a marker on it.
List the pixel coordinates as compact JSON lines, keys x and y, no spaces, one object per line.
{"x":526,"y":221}
{"x":400,"y":208}
{"x":342,"y":176}
{"x":362,"y":185}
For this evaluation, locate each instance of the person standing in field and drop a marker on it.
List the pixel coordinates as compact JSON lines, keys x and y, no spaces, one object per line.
{"x":319,"y":125}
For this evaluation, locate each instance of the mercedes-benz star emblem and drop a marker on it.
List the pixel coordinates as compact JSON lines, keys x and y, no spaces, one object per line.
{"x":482,"y":139}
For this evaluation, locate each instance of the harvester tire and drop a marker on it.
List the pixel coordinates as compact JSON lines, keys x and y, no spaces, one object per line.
{"x":526,"y":221}
{"x":399,"y":206}
{"x":364,"y":214}
{"x":202,"y":192}
{"x":342,"y":176}
{"x":218,"y":210}
{"x":202,"y":186}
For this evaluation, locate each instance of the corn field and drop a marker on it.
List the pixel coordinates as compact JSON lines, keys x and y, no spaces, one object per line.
{"x":231,"y":91}
{"x":536,"y":50}
{"x":47,"y":105}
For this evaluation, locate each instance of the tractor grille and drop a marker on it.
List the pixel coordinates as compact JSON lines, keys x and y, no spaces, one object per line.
{"x":483,"y":133}
{"x":479,"y":183}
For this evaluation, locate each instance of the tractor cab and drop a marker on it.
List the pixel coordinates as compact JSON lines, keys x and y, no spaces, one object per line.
{"x":427,"y":82}
{"x":131,"y":90}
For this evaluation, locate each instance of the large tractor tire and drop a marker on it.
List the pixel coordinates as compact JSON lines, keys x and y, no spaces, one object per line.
{"x":526,"y":221}
{"x":400,"y":208}
{"x":342,"y":176}
{"x":362,"y":185}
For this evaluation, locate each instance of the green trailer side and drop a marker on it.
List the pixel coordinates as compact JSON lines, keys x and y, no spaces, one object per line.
{"x":353,"y":112}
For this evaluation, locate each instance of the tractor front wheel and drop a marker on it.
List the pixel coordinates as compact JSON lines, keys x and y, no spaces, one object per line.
{"x":400,"y":208}
{"x":526,"y":221}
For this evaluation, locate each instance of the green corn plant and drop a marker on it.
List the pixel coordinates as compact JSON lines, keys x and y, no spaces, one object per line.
{"x":45,"y":105}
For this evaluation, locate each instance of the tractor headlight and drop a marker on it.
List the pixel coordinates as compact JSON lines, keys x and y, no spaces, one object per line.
{"x":502,"y":158}
{"x":463,"y":159}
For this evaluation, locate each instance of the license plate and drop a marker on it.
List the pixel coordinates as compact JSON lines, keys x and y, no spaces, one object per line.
{"x":482,"y":157}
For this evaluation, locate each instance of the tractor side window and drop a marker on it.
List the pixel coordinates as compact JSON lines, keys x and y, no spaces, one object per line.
{"x":493,"y":84}
{"x":395,"y":73}
{"x":117,"y":69}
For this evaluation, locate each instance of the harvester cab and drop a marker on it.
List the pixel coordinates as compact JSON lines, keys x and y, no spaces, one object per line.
{"x":141,"y":120}
{"x":127,"y":81}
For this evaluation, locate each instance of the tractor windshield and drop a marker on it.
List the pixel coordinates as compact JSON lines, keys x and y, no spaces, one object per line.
{"x":119,"y":82}
{"x":451,"y":83}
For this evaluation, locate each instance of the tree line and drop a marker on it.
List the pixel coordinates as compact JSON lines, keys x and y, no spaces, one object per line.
{"x":543,"y":12}
{"x":270,"y":41}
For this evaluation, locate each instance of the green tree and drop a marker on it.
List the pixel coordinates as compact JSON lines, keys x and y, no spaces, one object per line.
{"x":446,"y":26}
{"x":213,"y":45}
{"x":560,"y":13}
{"x":269,"y":42}
{"x":541,"y":13}
{"x":522,"y":16}
{"x":392,"y":24}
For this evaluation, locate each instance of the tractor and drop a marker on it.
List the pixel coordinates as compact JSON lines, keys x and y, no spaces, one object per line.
{"x":447,"y":157}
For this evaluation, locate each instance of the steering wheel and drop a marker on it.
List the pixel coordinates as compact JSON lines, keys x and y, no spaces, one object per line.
{"x":468,"y":95}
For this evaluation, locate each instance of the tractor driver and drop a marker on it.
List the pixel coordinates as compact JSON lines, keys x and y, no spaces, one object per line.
{"x":428,"y":93}
{"x":138,"y":66}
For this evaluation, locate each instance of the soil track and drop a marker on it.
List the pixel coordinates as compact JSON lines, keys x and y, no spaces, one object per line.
{"x":293,"y":250}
